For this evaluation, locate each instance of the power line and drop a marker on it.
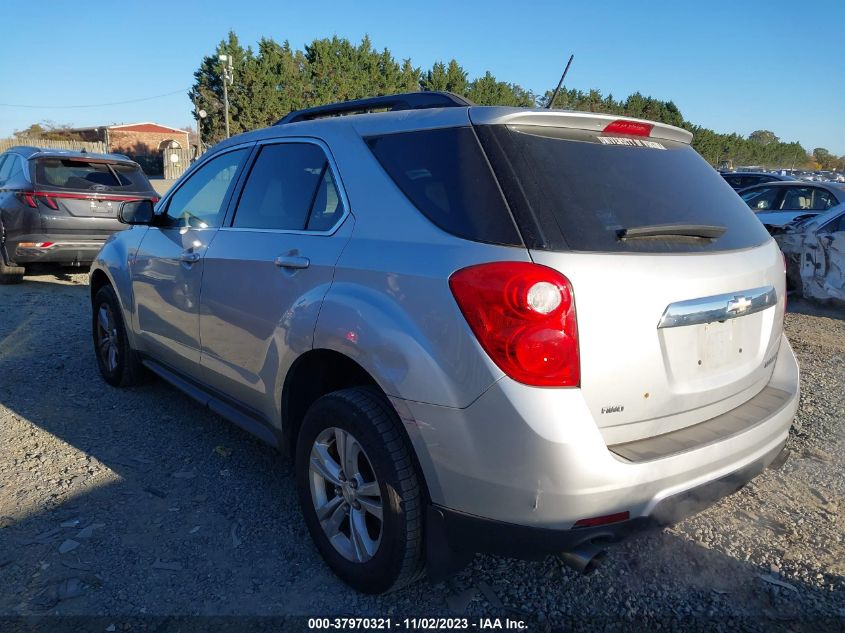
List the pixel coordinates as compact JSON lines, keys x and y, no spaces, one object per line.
{"x":91,"y":105}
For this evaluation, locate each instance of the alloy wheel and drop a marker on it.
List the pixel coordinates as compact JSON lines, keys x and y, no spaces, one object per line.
{"x":107,"y":340}
{"x":346,"y":494}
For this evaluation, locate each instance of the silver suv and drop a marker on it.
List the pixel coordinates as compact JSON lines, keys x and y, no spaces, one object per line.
{"x":516,"y":331}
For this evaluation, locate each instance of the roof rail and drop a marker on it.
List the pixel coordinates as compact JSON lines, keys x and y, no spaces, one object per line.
{"x":407,"y":101}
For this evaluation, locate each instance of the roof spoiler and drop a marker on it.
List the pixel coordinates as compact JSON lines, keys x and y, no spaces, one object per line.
{"x":590,"y":121}
{"x":106,"y":159}
{"x":407,"y":101}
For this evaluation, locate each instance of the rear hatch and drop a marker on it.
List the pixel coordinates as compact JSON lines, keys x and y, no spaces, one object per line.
{"x":68,"y":188}
{"x":678,"y":287}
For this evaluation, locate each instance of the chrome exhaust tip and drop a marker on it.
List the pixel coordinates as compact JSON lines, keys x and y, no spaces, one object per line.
{"x":584,"y":559}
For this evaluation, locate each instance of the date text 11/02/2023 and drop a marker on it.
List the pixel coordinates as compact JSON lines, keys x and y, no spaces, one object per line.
{"x":416,"y":624}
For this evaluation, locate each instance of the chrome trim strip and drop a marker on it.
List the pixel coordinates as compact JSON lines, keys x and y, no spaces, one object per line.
{"x":718,"y":307}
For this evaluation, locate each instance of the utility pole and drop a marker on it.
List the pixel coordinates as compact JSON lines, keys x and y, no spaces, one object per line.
{"x":228,"y":79}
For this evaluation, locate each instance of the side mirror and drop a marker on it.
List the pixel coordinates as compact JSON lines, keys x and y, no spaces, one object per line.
{"x":136,"y":212}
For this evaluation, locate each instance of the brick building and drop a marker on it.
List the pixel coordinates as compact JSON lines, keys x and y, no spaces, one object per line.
{"x":142,"y":142}
{"x":136,"y":139}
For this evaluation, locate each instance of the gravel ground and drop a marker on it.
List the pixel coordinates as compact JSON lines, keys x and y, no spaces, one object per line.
{"x":161,"y":185}
{"x":140,"y":502}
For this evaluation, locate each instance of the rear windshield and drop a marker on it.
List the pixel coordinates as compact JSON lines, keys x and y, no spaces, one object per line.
{"x":62,"y":173}
{"x":576,"y":190}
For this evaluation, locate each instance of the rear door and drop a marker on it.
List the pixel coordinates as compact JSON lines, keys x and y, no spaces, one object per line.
{"x":168,"y":267}
{"x":673,"y":329}
{"x":267,"y":273}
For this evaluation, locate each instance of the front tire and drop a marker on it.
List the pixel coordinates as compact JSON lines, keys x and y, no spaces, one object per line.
{"x":359,"y":490}
{"x":118,"y":362}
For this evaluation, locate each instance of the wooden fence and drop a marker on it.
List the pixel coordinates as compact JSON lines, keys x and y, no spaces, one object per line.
{"x":172,"y":162}
{"x":96,"y":147}
{"x":176,"y":161}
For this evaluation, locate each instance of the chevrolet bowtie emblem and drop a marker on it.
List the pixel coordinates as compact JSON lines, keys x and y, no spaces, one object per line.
{"x":739,"y":304}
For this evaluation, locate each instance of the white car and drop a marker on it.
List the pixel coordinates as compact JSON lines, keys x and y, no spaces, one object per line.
{"x":777,"y":204}
{"x":815,"y":254}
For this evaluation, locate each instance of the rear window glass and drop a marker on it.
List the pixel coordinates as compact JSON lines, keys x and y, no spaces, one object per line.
{"x":581,"y":191}
{"x":60,"y":173}
{"x":445,"y":175}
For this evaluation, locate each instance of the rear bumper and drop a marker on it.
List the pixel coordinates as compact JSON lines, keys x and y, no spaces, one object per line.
{"x":461,"y":533}
{"x":54,"y":249}
{"x":535,"y":457}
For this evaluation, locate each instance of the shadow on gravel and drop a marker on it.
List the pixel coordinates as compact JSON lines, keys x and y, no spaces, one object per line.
{"x":50,"y":273}
{"x":831,"y":309}
{"x":132,"y":503}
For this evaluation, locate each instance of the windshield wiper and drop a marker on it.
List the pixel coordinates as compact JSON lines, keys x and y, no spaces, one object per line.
{"x":668,"y":231}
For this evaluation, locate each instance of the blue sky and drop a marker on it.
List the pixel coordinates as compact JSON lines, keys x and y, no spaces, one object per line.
{"x":731,"y":66}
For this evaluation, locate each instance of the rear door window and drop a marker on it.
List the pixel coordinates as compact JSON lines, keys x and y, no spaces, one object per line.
{"x":807,"y":199}
{"x":444,"y":173}
{"x":290,"y":187}
{"x":823,"y":199}
{"x":583,"y":190}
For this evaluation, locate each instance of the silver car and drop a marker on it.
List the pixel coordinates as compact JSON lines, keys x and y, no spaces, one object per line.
{"x":493,"y":329}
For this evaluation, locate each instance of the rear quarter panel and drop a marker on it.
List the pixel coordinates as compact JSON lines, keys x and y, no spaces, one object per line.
{"x":390,"y":307}
{"x":17,"y":219}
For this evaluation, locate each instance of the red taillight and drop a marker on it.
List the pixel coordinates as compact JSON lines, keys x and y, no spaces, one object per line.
{"x":523,"y":315}
{"x":49,"y":198}
{"x":28,"y":198}
{"x":629,"y":128}
{"x":608,"y":518}
{"x":49,"y":201}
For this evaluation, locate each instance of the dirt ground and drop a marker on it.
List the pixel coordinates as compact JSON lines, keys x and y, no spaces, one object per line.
{"x":134,"y":503}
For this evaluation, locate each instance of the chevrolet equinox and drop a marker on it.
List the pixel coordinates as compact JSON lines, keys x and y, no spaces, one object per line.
{"x":476,"y":329}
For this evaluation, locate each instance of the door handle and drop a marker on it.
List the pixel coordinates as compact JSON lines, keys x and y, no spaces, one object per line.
{"x":189,"y":257}
{"x":292,"y":261}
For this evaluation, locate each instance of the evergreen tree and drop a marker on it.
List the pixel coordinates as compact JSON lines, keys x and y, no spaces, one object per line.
{"x":275,"y":79}
{"x":410,"y":77}
{"x":456,"y":78}
{"x":207,"y":92}
{"x":487,"y":90}
{"x":436,"y":78}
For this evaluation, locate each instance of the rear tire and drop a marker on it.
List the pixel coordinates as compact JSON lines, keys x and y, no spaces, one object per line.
{"x":11,"y":274}
{"x":379,"y":555}
{"x":119,"y":364}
